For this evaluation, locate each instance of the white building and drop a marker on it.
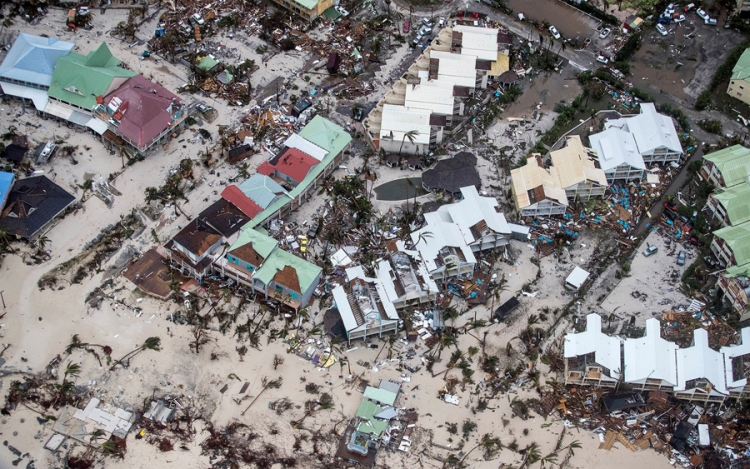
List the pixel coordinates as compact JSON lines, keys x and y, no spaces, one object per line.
{"x":618,"y":155}
{"x":592,"y":357}
{"x":654,"y":134}
{"x":650,"y":361}
{"x":454,"y":232}
{"x":364,"y":306}
{"x":406,"y":130}
{"x":406,"y":280}
{"x":736,"y":359}
{"x":700,"y":371}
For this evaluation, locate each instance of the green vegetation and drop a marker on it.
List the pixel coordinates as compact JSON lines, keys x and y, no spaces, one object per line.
{"x":710,"y":125}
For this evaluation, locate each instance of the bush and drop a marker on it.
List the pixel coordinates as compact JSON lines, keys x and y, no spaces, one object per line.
{"x":703,"y":101}
{"x":710,"y":125}
{"x":629,"y":49}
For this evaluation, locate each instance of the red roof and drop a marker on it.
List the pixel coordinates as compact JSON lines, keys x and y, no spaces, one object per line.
{"x":234,"y":195}
{"x":145,"y":109}
{"x":266,"y":168}
{"x":293,"y":163}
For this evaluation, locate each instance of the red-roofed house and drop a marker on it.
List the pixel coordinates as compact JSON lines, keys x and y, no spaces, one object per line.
{"x":236,"y":197}
{"x":290,"y":167}
{"x":142,"y":112}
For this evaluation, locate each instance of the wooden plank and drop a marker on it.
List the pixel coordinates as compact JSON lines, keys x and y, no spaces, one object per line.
{"x":609,"y":441}
{"x":621,"y":438}
{"x":244,"y":387}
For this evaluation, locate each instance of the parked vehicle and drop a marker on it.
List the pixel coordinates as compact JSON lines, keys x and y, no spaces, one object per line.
{"x":425,"y":31}
{"x":703,"y":15}
{"x":689,"y":7}
{"x":650,"y":250}
{"x":602,"y":59}
{"x":678,"y":18}
{"x":670,"y":206}
{"x":407,"y":26}
{"x":427,"y":22}
{"x":665,"y":20}
{"x":357,"y":114}
{"x":303,"y":244}
{"x":710,"y":21}
{"x":662,"y":30}
{"x":441,"y":23}
{"x":681,"y":256}
{"x":605,"y":32}
{"x":313,"y":231}
{"x":554,"y":32}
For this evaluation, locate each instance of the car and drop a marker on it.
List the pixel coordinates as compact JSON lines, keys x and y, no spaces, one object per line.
{"x":427,"y":22}
{"x":358,"y":114}
{"x":702,"y":13}
{"x":678,"y":18}
{"x":662,"y":30}
{"x":665,"y":20}
{"x":710,"y":21}
{"x":602,"y":59}
{"x":554,"y":32}
{"x":650,"y":250}
{"x":605,"y":32}
{"x":303,"y":244}
{"x":407,"y":26}
{"x":441,"y":23}
{"x":342,"y":11}
{"x":313,"y":231}
{"x":417,"y":40}
{"x":681,"y":256}
{"x":689,"y":7}
{"x":425,"y":31}
{"x":202,"y":107}
{"x":670,"y":206}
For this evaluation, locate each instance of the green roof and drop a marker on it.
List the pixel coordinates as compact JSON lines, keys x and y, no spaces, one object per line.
{"x":369,"y":423}
{"x":738,"y":271}
{"x":741,"y":71}
{"x":733,"y":163}
{"x":307,"y":4}
{"x":207,"y":63}
{"x":738,"y":239}
{"x":262,"y":244}
{"x":79,"y":79}
{"x":307,"y":272}
{"x":735,"y":202}
{"x":328,"y":136}
{"x":331,"y":13}
{"x":382,"y":396}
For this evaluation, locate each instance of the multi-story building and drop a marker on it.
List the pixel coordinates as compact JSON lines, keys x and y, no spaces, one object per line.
{"x":577,"y":170}
{"x":307,"y":9}
{"x":536,"y":192}
{"x":727,"y":167}
{"x":739,"y":83}
{"x":592,"y":357}
{"x":731,"y":245}
{"x":730,"y":207}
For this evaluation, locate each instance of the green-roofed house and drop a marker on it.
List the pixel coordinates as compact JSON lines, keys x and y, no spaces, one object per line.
{"x":731,"y":245}
{"x":307,"y":9}
{"x":730,"y":207}
{"x":320,"y":139}
{"x":728,"y":167}
{"x":256,"y":261}
{"x":207,"y":64}
{"x":246,"y":254}
{"x":739,"y":84}
{"x":78,"y":80}
{"x":735,"y":284}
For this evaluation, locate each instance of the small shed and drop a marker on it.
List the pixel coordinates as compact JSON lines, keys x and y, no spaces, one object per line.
{"x":334,"y":60}
{"x":576,"y":279}
{"x":239,"y":153}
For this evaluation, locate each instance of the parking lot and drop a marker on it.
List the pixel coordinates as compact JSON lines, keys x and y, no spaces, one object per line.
{"x":683,"y":62}
{"x":570,"y":22}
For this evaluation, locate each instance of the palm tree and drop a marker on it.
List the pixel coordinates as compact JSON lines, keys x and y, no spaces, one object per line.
{"x":488,"y":443}
{"x":42,"y":243}
{"x":531,"y":455}
{"x":410,"y":135}
{"x":152,"y":343}
{"x":5,"y":239}
{"x":75,"y":343}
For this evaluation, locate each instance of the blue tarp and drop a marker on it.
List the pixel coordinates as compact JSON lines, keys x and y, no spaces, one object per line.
{"x":6,"y":183}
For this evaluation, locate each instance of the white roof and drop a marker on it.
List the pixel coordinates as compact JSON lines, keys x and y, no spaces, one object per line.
{"x":306,"y":146}
{"x":436,"y":235}
{"x":614,"y":147}
{"x":345,"y":310}
{"x":733,"y":351}
{"x":471,"y":210}
{"x":606,"y":348}
{"x":434,"y":96}
{"x":700,"y":361}
{"x":38,"y":97}
{"x":358,"y":272}
{"x":398,"y":120}
{"x":479,"y":42}
{"x":650,"y":130}
{"x":456,"y":69}
{"x":577,"y":277}
{"x":341,"y":258}
{"x":650,"y":356}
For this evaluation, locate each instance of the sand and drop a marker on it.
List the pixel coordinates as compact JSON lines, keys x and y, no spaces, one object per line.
{"x":39,"y":324}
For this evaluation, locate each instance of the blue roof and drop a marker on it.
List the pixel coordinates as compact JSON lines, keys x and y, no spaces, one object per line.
{"x":262,"y":190}
{"x":32,"y":59}
{"x":6,"y":182}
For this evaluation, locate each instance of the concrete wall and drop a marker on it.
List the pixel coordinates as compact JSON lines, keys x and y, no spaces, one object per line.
{"x":739,"y":89}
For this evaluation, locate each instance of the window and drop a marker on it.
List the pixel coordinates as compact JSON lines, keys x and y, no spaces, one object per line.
{"x":294,"y":295}
{"x":230,"y":258}
{"x":279,"y":289}
{"x":249,"y":267}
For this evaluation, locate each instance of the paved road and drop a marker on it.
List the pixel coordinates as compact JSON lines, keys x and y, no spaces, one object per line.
{"x":582,"y":60}
{"x":672,"y":189}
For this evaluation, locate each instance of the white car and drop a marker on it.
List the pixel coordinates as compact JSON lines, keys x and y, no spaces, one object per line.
{"x":700,"y":12}
{"x":662,"y":30}
{"x":441,"y":23}
{"x":605,"y":32}
{"x":678,"y":18}
{"x":602,"y":59}
{"x":554,"y":32}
